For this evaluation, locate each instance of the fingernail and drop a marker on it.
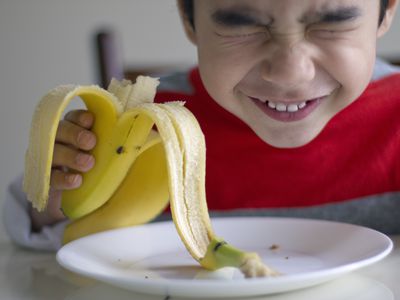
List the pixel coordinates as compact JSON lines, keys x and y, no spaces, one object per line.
{"x":84,"y":160}
{"x":86,"y":119}
{"x":85,"y":139}
{"x":73,"y":179}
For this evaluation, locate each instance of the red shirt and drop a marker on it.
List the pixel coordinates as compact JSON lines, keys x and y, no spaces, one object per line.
{"x":356,"y":155}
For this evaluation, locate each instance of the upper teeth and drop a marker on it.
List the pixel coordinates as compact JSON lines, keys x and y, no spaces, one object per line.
{"x":284,"y":107}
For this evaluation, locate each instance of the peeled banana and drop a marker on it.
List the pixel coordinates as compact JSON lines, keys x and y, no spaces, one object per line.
{"x":138,"y":170}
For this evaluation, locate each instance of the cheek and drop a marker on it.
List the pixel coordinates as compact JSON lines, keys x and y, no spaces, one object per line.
{"x":214,"y":77}
{"x":352,"y":67}
{"x":221,"y":70}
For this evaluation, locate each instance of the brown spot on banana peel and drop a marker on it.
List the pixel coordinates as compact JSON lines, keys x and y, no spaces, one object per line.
{"x":120,"y":149}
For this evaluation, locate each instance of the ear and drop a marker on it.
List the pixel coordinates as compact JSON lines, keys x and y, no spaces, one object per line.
{"x":189,"y":30}
{"x":388,"y":19}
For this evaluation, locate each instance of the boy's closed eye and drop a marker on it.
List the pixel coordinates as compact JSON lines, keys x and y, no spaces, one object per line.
{"x":243,"y":23}
{"x":333,"y":23}
{"x":239,"y":25}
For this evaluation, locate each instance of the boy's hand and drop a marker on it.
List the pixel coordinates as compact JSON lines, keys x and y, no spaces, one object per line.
{"x":70,"y":158}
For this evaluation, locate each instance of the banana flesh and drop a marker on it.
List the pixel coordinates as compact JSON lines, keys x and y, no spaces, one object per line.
{"x":138,"y":171}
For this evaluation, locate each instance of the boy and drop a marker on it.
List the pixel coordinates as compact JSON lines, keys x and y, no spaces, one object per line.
{"x":294,"y":124}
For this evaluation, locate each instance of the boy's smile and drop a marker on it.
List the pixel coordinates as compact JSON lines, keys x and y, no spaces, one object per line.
{"x":286,"y":68}
{"x":288,"y":111}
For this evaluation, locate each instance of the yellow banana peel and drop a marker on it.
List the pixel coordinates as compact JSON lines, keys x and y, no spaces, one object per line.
{"x":138,"y":170}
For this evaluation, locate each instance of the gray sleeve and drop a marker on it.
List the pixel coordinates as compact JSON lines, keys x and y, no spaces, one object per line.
{"x":177,"y":82}
{"x":383,"y":68}
{"x":17,"y":222}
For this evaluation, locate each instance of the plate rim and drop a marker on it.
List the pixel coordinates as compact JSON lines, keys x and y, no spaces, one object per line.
{"x":177,"y":284}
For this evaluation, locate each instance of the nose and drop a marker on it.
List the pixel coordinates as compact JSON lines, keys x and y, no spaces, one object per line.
{"x":288,"y":65}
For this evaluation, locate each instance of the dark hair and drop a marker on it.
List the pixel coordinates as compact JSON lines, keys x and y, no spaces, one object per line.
{"x":384,"y":5}
{"x":188,"y":10}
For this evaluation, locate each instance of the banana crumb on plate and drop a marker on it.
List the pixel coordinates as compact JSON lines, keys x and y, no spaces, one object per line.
{"x":274,"y":247}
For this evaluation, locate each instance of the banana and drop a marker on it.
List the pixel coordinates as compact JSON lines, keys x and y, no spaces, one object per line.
{"x":138,"y":171}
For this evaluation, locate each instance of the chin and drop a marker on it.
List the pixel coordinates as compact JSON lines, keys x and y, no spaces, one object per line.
{"x":287,"y":144}
{"x":290,"y":138}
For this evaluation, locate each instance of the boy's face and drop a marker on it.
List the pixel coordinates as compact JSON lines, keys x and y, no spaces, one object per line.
{"x":286,"y":67}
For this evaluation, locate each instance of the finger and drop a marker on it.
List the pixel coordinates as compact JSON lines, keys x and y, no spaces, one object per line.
{"x":72,"y":159}
{"x":80,"y":117}
{"x":72,"y":134}
{"x":60,"y":180}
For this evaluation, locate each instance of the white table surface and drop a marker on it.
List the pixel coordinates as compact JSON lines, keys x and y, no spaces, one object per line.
{"x":28,"y":275}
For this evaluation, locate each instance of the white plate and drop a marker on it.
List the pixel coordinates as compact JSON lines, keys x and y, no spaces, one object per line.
{"x":151,"y":258}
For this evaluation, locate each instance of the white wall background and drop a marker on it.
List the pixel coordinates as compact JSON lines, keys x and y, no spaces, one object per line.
{"x":44,"y":43}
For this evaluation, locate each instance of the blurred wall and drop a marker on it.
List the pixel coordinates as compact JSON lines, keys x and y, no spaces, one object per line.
{"x":44,"y":43}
